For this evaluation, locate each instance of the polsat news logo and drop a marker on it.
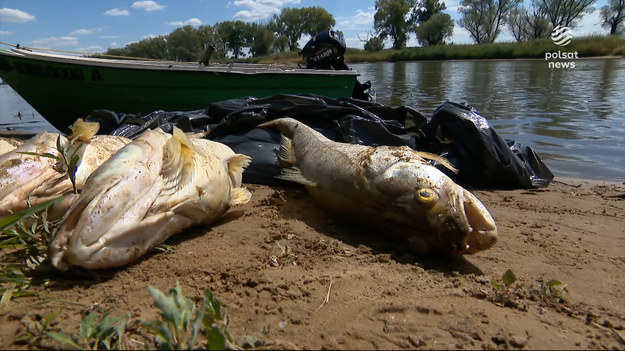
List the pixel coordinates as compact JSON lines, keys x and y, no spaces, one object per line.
{"x":561,"y":36}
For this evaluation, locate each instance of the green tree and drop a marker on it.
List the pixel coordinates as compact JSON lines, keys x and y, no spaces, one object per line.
{"x":425,"y":9}
{"x":431,"y":26}
{"x":374,"y":44}
{"x":232,"y":35}
{"x":261,"y":41}
{"x":292,"y":23}
{"x":435,"y":30}
{"x":316,"y":19}
{"x":208,"y":36}
{"x":565,"y":12}
{"x":390,"y":20}
{"x":485,"y":18}
{"x":613,"y":16}
{"x":155,"y":48}
{"x":527,"y":24}
{"x":185,"y":44}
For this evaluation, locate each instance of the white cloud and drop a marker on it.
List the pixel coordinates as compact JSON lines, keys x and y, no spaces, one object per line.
{"x":15,"y":16}
{"x":147,"y":5}
{"x":260,"y":9}
{"x":117,"y":12}
{"x":4,"y":32}
{"x":56,"y":42}
{"x":361,"y":20}
{"x":86,"y":31}
{"x":149,"y":36}
{"x":191,"y":21}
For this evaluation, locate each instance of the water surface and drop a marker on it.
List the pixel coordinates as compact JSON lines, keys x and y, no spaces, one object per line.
{"x":574,"y":119}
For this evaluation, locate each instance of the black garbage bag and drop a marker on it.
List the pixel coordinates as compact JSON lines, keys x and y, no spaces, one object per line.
{"x":481,"y":155}
{"x":455,"y":131}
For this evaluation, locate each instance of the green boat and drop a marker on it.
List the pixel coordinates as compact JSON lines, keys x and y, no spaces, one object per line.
{"x":63,"y":88}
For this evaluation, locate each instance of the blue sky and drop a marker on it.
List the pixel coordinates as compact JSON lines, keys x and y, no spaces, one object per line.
{"x":95,"y":25}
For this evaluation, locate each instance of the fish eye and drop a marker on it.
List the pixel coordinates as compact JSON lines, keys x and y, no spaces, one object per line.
{"x":426,"y":196}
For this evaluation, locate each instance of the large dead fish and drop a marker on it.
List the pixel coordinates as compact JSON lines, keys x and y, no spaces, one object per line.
{"x":392,"y":188}
{"x":153,"y":188}
{"x":34,"y":172}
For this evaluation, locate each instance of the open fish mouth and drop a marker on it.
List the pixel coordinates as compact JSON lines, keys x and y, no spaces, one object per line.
{"x":482,"y":232}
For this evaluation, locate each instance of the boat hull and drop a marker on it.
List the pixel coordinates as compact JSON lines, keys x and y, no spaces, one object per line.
{"x":63,"y":89}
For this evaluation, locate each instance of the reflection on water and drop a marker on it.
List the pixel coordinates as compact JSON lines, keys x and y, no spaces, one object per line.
{"x":575,"y":119}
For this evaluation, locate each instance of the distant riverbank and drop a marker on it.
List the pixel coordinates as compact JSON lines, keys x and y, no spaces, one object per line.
{"x":592,"y":46}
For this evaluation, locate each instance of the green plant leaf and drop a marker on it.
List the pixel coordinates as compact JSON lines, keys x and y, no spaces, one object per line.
{"x":87,"y":326}
{"x":497,"y":285}
{"x":6,"y":297}
{"x":553,"y":283}
{"x":166,"y":304}
{"x":15,"y":217}
{"x":196,"y":325}
{"x":216,"y":339}
{"x":47,"y":154}
{"x":47,"y":321}
{"x":212,"y":309}
{"x":64,"y":339}
{"x":508,"y":277}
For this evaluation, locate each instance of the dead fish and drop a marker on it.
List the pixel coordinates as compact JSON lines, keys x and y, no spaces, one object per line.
{"x":151,"y":189}
{"x":392,"y":188}
{"x":34,"y":172}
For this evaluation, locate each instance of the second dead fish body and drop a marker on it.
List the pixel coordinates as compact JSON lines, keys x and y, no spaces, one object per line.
{"x":33,"y":172}
{"x":391,"y":188}
{"x":151,"y":189}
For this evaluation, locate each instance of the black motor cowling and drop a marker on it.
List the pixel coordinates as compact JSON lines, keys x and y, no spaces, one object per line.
{"x":325,"y":51}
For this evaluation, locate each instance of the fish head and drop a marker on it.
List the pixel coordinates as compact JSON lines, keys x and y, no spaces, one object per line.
{"x":441,"y":213}
{"x":459,"y":218}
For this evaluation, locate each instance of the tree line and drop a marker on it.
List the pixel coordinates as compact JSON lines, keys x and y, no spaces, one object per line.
{"x":394,"y":22}
{"x":233,"y":38}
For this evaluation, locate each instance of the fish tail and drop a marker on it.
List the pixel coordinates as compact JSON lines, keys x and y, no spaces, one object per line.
{"x":236,"y":164}
{"x":240,"y":196}
{"x":84,"y":131}
{"x":286,"y":125}
{"x":286,"y":156}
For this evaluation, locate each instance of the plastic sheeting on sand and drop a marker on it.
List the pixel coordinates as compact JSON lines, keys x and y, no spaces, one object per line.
{"x":455,"y":131}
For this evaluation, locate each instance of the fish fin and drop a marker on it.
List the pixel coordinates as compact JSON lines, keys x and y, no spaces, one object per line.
{"x":84,"y":131}
{"x":286,"y":156}
{"x":179,"y":169}
{"x":440,"y":159}
{"x":182,"y":138}
{"x":198,"y":135}
{"x":294,"y":174}
{"x":240,"y":196}
{"x":236,"y":164}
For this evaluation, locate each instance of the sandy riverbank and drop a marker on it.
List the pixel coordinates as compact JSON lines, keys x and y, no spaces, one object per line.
{"x":379,"y":296}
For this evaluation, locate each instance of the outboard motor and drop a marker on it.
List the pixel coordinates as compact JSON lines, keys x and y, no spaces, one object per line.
{"x":325,"y":51}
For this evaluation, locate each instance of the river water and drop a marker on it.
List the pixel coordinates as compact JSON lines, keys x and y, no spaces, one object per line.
{"x":573,"y":118}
